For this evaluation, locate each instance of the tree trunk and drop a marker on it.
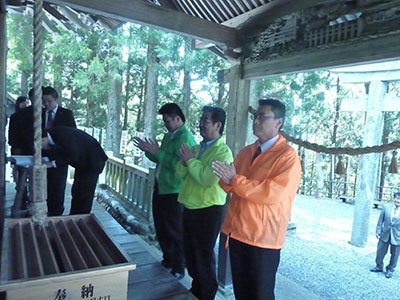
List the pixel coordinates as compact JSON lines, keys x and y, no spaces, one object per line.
{"x":150,"y":99}
{"x":334,"y":138}
{"x":113,"y":115}
{"x":187,"y":70}
{"x":24,"y":83}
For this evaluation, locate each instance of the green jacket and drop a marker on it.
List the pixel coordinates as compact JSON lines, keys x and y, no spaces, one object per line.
{"x":200,"y":188}
{"x":167,"y":157}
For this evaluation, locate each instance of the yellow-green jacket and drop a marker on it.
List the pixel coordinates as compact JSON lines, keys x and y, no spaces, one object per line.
{"x":199,"y":188}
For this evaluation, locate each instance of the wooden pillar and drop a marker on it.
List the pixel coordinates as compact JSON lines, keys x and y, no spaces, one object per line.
{"x":237,"y":116}
{"x":236,"y":135}
{"x":3,"y":99}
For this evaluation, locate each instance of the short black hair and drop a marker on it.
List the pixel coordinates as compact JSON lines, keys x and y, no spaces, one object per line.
{"x":31,"y":93}
{"x":19,"y":100}
{"x":48,"y":90}
{"x":277,"y":107}
{"x":396,"y":195}
{"x":173,"y":110}
{"x":217,"y":115}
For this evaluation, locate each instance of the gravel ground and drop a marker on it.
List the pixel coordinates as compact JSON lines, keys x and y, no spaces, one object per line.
{"x":319,"y":257}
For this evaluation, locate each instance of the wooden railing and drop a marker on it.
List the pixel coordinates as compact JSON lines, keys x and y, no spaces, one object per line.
{"x":135,"y":184}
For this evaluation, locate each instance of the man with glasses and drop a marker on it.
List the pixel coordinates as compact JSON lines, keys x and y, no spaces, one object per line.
{"x":167,"y":212}
{"x":263,"y":181}
{"x":388,"y":233}
{"x":204,"y":201}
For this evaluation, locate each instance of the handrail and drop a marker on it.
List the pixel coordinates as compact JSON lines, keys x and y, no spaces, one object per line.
{"x":131,"y":182}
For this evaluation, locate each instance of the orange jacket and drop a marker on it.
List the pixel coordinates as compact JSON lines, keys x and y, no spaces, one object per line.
{"x":262,"y":195}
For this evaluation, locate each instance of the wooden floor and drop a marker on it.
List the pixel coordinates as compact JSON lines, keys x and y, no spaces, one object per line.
{"x":150,"y":280}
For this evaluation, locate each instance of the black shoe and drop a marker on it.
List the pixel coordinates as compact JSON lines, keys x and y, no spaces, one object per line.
{"x":178,"y":275}
{"x":389,"y":274}
{"x":166,"y":264}
{"x":376,"y":270}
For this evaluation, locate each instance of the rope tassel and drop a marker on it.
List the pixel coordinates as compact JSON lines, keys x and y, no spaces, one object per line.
{"x":393,"y":169}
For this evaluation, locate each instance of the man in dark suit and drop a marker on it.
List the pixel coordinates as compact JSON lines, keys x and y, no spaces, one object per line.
{"x":388,"y":233}
{"x":74,"y":147}
{"x":54,"y":115}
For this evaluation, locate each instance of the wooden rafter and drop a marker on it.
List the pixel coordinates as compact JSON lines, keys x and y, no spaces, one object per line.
{"x":257,"y":19}
{"x":341,"y":55}
{"x":146,"y":13}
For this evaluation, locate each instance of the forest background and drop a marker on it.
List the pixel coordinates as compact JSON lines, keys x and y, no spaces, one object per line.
{"x":116,"y":81}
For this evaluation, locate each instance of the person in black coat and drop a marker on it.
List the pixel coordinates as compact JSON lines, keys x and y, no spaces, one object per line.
{"x":14,"y":129}
{"x":74,"y":147}
{"x":54,"y":115}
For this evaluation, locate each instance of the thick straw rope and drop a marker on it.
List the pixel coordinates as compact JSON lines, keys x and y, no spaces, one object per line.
{"x":39,"y":209}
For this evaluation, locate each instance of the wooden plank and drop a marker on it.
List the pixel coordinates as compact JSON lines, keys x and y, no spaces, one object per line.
{"x":146,"y":13}
{"x":90,"y":257}
{"x":35,"y":260}
{"x":259,"y":18}
{"x":69,"y":243}
{"x":141,"y":258}
{"x":97,"y":246}
{"x":155,"y":289}
{"x":65,"y":260}
{"x":148,"y":272}
{"x":375,"y":49}
{"x":50,"y":267}
{"x":20,"y":259}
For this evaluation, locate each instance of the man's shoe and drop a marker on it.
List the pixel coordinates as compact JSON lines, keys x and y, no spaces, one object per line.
{"x":389,"y":274}
{"x":376,"y":270}
{"x":177,"y":275}
{"x":166,"y":264}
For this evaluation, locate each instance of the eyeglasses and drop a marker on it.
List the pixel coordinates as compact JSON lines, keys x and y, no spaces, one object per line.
{"x":204,"y":121}
{"x":261,"y":117}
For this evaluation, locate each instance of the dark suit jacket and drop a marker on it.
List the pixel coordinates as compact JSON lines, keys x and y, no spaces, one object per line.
{"x":15,"y":138}
{"x":77,"y":149}
{"x":386,"y":229}
{"x":63,"y":117}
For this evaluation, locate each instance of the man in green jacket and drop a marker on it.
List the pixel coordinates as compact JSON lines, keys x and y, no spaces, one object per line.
{"x":167,"y":212}
{"x":204,"y":201}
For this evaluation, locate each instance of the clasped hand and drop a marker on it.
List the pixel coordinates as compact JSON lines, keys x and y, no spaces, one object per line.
{"x":185,"y":154}
{"x":224,"y":171}
{"x":146,"y":145}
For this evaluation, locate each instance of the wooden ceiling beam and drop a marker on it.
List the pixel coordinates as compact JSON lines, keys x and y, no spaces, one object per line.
{"x":373,"y":50}
{"x":259,"y":18}
{"x":143,"y":12}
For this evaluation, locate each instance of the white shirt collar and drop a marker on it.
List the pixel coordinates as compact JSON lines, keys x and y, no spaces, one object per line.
{"x":269,"y":143}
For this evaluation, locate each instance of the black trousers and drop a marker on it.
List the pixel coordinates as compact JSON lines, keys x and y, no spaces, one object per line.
{"x":201,"y":228}
{"x":253,"y":271}
{"x":167,"y":215}
{"x":83,"y":191}
{"x":56,"y":182}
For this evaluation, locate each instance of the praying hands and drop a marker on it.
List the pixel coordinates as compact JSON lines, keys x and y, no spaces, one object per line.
{"x":146,"y":145}
{"x":224,"y":171}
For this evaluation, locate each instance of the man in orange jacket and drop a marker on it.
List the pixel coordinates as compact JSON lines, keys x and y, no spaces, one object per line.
{"x":263,"y":181}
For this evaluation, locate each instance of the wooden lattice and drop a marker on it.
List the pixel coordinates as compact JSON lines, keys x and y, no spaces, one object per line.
{"x":333,"y":33}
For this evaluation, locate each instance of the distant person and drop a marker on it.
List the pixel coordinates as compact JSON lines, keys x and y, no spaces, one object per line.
{"x":15,"y":139}
{"x":167,"y":211}
{"x":263,"y":181}
{"x":388,"y":233}
{"x":204,"y":201}
{"x":71,"y":146}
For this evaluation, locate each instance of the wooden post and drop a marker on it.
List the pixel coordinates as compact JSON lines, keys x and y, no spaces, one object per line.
{"x":236,"y":135}
{"x":3,"y":99}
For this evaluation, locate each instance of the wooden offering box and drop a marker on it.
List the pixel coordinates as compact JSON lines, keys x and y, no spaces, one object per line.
{"x":71,"y":257}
